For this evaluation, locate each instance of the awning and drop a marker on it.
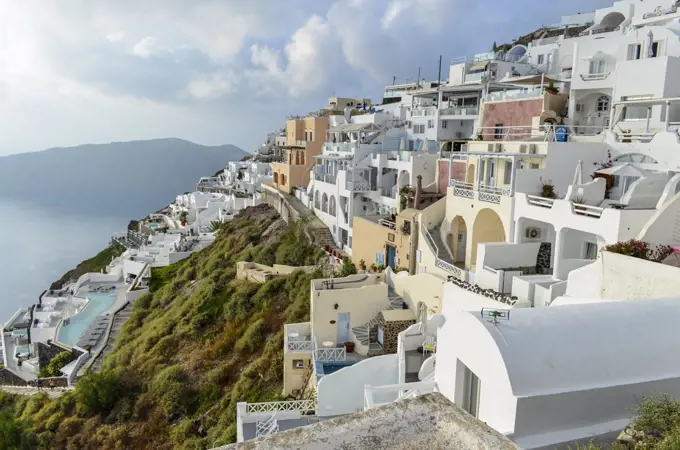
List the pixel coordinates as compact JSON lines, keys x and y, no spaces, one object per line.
{"x":353,"y":128}
{"x":477,"y":66}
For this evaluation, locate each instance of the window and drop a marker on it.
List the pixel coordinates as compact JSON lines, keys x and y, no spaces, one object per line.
{"x":541,"y":58}
{"x":445,"y":124}
{"x":419,"y":129}
{"x":411,"y":145}
{"x":298,"y":364}
{"x":379,"y":259}
{"x":534,"y":165}
{"x":603,"y":104}
{"x":655,"y":50}
{"x":598,"y":66}
{"x":498,"y":132}
{"x":311,"y":135}
{"x":430,"y":124}
{"x":590,"y":251}
{"x":634,"y":51}
{"x":390,"y":237}
{"x":507,"y":175}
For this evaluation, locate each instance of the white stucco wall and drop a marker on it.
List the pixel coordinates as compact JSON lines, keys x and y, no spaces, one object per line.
{"x":660,"y":229}
{"x":423,"y":287}
{"x":496,"y":402}
{"x":342,"y":392}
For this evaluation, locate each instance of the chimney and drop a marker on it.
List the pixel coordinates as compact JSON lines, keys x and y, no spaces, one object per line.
{"x":419,"y":191}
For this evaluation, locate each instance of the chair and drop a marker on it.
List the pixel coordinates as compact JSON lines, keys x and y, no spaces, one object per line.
{"x":429,"y":345}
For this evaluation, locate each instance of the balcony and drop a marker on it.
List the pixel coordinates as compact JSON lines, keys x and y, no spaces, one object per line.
{"x":424,"y":111}
{"x":325,"y":177}
{"x":459,"y":111}
{"x":516,"y":94}
{"x":595,"y":76}
{"x":489,"y":194}
{"x":359,"y":186}
{"x":298,"y":338}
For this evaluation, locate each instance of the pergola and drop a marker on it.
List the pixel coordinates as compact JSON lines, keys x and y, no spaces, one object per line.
{"x":350,"y":132}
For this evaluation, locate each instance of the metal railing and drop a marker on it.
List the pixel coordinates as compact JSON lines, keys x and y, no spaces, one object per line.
{"x":587,"y":210}
{"x":545,"y":133}
{"x":287,"y":406}
{"x":540,"y":201}
{"x":595,"y":76}
{"x":440,"y":263}
{"x":459,"y":111}
{"x":600,"y":30}
{"x":359,"y":186}
{"x":266,"y":427}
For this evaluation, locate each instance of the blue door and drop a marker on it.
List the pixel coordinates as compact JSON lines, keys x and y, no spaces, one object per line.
{"x":343,"y":328}
{"x":391,"y":256}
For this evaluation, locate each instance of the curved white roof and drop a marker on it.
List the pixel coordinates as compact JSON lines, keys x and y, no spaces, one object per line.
{"x":578,"y":347}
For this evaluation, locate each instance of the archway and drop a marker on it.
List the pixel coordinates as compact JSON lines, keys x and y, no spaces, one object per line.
{"x":457,"y":239}
{"x":611,"y":20}
{"x":404,"y":179}
{"x":317,"y":200}
{"x":488,"y":227}
{"x":470,"y":177}
{"x":276,"y":178}
{"x":324,"y":203}
{"x":331,"y":209}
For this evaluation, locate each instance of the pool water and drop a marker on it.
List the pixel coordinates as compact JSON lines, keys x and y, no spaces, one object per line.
{"x":100,"y":303}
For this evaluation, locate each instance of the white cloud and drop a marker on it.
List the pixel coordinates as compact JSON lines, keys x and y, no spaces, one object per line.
{"x":147,"y":47}
{"x":116,"y":37}
{"x":186,"y":69}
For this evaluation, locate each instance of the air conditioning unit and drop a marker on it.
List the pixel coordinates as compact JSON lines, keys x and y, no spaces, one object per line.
{"x":523,"y":148}
{"x":499,"y":147}
{"x":489,"y":148}
{"x":533,"y":233}
{"x":532,"y":149}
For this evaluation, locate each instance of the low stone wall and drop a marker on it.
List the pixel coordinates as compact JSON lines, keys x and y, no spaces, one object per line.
{"x":8,"y":378}
{"x":57,"y":382}
{"x":47,"y":352}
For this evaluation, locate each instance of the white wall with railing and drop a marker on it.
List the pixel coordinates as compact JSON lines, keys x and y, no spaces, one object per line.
{"x":342,"y":392}
{"x":375,"y":396}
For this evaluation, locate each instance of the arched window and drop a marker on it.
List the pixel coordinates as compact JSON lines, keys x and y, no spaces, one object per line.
{"x":324,"y":203}
{"x":331,"y":209}
{"x":603,"y":103}
{"x":302,"y":158}
{"x":276,"y":178}
{"x":317,"y":200}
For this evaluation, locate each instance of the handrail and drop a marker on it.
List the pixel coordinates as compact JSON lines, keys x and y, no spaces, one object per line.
{"x":299,"y":346}
{"x":266,"y":427}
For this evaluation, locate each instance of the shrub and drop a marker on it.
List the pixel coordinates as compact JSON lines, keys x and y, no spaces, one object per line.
{"x":54,"y":366}
{"x":97,"y":393}
{"x":640,"y":249}
{"x":548,"y":190}
{"x":348,"y":268}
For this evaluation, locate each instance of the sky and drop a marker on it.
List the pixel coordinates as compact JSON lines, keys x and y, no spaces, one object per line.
{"x":225,"y":71}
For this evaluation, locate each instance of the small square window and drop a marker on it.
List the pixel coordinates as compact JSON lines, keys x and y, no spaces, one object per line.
{"x":298,"y":364}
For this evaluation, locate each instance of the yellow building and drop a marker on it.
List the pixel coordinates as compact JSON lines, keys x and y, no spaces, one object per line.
{"x":385,"y":241}
{"x":304,"y":140}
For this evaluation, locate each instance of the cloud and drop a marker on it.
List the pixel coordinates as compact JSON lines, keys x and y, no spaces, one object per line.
{"x":224,"y":70}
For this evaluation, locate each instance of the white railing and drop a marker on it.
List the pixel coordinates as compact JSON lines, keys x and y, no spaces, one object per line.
{"x":495,"y":190}
{"x":540,"y":201}
{"x":330,"y":354}
{"x":389,"y":192}
{"x":459,"y":111}
{"x":426,"y":111}
{"x":545,"y":133}
{"x":595,"y":76}
{"x":266,"y":427}
{"x":515,"y":94}
{"x":587,"y":210}
{"x":302,"y":406}
{"x":440,"y":263}
{"x":412,"y":390}
{"x":358,"y":186}
{"x":387,"y":223}
{"x":300,"y":346}
{"x":660,"y":12}
{"x":489,"y":197}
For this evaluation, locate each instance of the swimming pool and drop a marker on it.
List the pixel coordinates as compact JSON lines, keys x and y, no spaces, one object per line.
{"x":100,"y":303}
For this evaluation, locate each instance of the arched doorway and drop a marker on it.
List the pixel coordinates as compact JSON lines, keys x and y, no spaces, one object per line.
{"x":457,"y":239}
{"x":317,"y":200}
{"x":488,"y":227}
{"x":470,"y":176}
{"x":404,"y":179}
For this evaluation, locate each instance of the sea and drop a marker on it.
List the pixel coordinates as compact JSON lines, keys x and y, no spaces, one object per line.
{"x":38,"y":244}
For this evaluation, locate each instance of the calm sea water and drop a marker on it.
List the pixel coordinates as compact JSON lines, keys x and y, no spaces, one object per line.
{"x":39,"y":244}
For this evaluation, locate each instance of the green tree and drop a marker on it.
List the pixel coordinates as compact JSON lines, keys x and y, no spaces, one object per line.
{"x":53,"y":368}
{"x":98,"y":393}
{"x":11,"y":436}
{"x":348,"y":268}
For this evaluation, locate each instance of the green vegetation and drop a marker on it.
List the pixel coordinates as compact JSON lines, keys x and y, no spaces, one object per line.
{"x":59,"y":361}
{"x":641,"y":249}
{"x":348,"y":268}
{"x":197,"y":344}
{"x":95,"y":264}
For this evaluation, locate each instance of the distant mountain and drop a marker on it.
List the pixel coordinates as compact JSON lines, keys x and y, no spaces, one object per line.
{"x":129,"y":178}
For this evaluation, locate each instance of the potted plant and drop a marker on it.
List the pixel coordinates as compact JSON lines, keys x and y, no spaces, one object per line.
{"x":548,"y":189}
{"x":552,"y":89}
{"x":349,"y":347}
{"x":362,"y":265}
{"x":374,"y":268}
{"x":580,"y":200}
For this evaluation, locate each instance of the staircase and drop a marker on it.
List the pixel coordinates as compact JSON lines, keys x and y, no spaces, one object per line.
{"x":367,"y":334}
{"x":442,"y":249}
{"x":323,"y":237}
{"x":119,"y":320}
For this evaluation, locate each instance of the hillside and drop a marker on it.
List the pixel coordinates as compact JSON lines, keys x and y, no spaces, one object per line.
{"x":121,"y":178}
{"x":197,"y":344}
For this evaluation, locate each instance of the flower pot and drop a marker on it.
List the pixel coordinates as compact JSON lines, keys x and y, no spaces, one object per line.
{"x":349,"y":347}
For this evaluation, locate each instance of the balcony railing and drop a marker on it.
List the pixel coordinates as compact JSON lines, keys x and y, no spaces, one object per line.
{"x":600,"y":31}
{"x":514,"y":94}
{"x":544,"y":133}
{"x":326,"y":178}
{"x":490,"y":194}
{"x":388,"y":224}
{"x":299,"y":346}
{"x":359,"y":186}
{"x":462,"y":111}
{"x":301,"y":406}
{"x":594,"y":76}
{"x":330,"y":354}
{"x":426,"y":111}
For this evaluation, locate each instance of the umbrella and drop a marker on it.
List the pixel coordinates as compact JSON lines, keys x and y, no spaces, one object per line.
{"x":650,"y":45}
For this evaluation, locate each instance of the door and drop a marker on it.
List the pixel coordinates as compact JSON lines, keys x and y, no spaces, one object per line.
{"x":471,"y":391}
{"x":343,"y":328}
{"x":391,"y":256}
{"x":462,"y":242}
{"x":490,"y":173}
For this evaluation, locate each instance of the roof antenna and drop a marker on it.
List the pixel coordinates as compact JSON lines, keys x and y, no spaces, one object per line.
{"x":495,"y":314}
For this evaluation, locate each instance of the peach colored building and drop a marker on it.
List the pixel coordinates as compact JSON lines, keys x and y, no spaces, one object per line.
{"x":304,"y":140}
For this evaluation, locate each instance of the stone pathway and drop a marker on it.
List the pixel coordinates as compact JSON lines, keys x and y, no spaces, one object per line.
{"x":30,"y":390}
